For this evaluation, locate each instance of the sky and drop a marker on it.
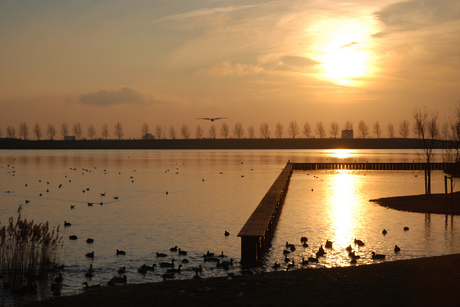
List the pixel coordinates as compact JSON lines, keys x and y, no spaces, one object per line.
{"x":169,"y":62}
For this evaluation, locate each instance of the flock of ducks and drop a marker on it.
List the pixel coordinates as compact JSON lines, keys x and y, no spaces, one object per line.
{"x":321,"y":252}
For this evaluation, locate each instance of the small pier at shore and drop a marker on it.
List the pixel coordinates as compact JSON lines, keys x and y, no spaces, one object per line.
{"x":256,"y":234}
{"x":258,"y":230}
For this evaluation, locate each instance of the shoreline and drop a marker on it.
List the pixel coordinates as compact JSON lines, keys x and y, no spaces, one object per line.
{"x":207,"y":144}
{"x":433,"y":203}
{"x":414,"y":282}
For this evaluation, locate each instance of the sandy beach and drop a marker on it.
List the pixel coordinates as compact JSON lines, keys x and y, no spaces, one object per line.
{"x":416,"y":282}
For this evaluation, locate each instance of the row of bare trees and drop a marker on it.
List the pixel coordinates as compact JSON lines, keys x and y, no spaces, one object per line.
{"x":225,"y":131}
{"x":50,"y":132}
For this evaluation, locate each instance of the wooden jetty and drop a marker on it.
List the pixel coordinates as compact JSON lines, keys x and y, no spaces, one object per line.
{"x":409,"y":166}
{"x":257,"y":233}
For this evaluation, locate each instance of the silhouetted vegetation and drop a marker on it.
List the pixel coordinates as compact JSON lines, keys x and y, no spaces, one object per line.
{"x":27,"y":251}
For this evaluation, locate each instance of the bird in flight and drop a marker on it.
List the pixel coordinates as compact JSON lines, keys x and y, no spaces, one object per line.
{"x":212,"y":118}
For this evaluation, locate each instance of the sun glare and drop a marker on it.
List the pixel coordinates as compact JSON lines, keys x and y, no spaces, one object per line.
{"x":341,"y":153}
{"x":343,"y":50}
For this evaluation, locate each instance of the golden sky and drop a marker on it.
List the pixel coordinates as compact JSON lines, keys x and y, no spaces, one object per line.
{"x":170,"y":62}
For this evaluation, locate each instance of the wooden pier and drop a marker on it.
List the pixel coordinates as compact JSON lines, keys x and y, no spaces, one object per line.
{"x":256,"y":234}
{"x":409,"y":166}
{"x":258,"y":231}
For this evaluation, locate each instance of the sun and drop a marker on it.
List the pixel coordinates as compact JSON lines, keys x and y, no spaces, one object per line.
{"x":343,"y":48}
{"x":344,"y":64}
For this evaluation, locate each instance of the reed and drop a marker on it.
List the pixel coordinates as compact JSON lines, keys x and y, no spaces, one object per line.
{"x":28,"y":251}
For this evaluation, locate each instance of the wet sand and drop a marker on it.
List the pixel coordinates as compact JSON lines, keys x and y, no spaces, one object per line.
{"x":417,"y":282}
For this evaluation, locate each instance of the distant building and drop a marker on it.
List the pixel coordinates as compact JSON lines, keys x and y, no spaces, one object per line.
{"x":148,"y":136}
{"x":347,"y":134}
{"x":69,"y":138}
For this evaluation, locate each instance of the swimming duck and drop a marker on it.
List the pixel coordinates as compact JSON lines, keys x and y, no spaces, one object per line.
{"x":168,"y":276}
{"x":349,"y":248}
{"x":173,"y":249}
{"x":328,"y":244}
{"x":320,"y":252}
{"x":59,"y":279}
{"x":313,"y":259}
{"x":120,"y":252}
{"x":397,"y":249}
{"x":378,"y":256}
{"x":90,"y":255}
{"x":161,"y":255}
{"x":276,"y":265}
{"x":122,"y":270}
{"x":67,"y":224}
{"x":359,"y":242}
{"x":73,"y":237}
{"x":89,"y":240}
{"x":406,"y":228}
{"x":167,"y":264}
{"x":226,"y":233}
{"x":384,"y":232}
{"x":173,"y":270}
{"x":182,"y":253}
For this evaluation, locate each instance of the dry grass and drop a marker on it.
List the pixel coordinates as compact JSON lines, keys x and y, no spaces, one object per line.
{"x":28,"y":251}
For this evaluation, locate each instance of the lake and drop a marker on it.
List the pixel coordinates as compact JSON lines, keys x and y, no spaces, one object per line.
{"x":153,"y":200}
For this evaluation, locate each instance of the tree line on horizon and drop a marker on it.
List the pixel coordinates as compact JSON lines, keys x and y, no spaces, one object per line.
{"x":447,"y":131}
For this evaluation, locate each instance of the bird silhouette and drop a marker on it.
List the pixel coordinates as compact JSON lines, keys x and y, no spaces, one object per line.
{"x":212,"y":118}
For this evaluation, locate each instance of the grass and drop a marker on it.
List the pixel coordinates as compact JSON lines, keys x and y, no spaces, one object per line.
{"x":28,"y":251}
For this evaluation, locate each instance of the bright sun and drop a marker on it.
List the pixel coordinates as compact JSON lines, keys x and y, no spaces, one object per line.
{"x":342,"y":49}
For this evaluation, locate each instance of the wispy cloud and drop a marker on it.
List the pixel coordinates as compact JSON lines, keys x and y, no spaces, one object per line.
{"x":226,"y":68}
{"x":124,"y":95}
{"x":205,"y":11}
{"x":349,"y":45}
{"x":417,"y":14}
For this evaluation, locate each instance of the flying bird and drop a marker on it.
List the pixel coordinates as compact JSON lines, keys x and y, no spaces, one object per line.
{"x":212,"y":118}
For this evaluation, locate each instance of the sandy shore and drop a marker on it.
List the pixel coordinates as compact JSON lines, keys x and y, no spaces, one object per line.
{"x":417,"y":282}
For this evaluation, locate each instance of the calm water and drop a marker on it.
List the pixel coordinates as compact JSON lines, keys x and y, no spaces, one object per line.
{"x":190,"y":198}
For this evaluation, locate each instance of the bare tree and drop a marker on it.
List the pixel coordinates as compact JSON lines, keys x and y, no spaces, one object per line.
{"x":334,"y":129}
{"x":118,"y":130}
{"x":377,"y":129}
{"x":23,"y":130}
{"x":51,"y":131}
{"x":445,"y":131}
{"x":265,"y":131}
{"x":159,"y":132}
{"x":238,"y":130}
{"x":198,"y":132}
{"x":172,"y":133}
{"x":77,"y":130}
{"x":320,"y":131}
{"x":306,"y":130}
{"x":363,"y":129}
{"x":64,"y":130}
{"x":293,"y":129}
{"x":38,"y":131}
{"x":348,"y":125}
{"x":251,"y":132}
{"x":145,"y":129}
{"x":91,"y":132}
{"x":404,"y":129}
{"x":105,"y":132}
{"x":279,"y":130}
{"x":426,"y":127}
{"x":224,"y":131}
{"x":212,"y":132}
{"x":185,"y":131}
{"x":391,"y":130}
{"x":11,"y":132}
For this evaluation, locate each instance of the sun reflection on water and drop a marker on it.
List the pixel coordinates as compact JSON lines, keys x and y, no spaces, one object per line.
{"x":341,"y":153}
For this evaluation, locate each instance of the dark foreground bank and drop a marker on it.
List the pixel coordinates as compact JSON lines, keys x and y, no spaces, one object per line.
{"x":419,"y":282}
